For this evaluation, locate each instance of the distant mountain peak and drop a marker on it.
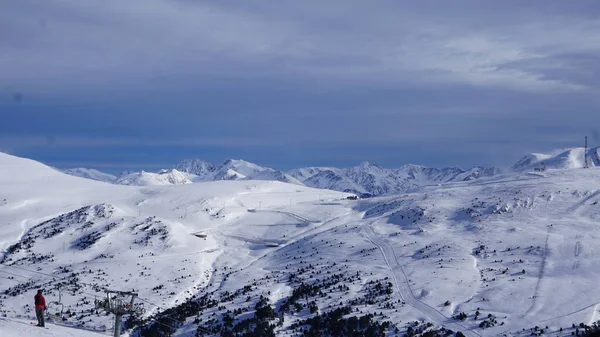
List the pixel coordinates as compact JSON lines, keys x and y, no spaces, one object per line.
{"x":238,"y":162}
{"x":413,"y":166}
{"x":367,"y":164}
{"x":198,"y":167}
{"x":163,"y":177}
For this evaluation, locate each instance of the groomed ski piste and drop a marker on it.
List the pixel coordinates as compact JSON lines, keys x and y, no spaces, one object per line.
{"x":513,"y":255}
{"x":11,"y":327}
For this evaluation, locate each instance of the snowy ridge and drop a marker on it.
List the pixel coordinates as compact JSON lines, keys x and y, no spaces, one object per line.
{"x":367,"y":179}
{"x":559,"y":159}
{"x":483,"y":257}
{"x":329,"y":179}
{"x":91,"y":174}
{"x":243,"y":170}
{"x":371,"y":179}
{"x":163,"y":177}
{"x":198,"y":167}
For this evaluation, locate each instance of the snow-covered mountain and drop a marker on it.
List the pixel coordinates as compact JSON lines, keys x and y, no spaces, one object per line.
{"x":559,"y":159}
{"x":163,"y":177}
{"x":367,"y":179}
{"x":198,"y":167}
{"x":198,"y":170}
{"x":91,"y":174}
{"x":269,"y":258}
{"x":372,"y":179}
{"x":235,"y":169}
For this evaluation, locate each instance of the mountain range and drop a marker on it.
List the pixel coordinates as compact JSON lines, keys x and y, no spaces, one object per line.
{"x":365,"y":180}
{"x":252,"y":257}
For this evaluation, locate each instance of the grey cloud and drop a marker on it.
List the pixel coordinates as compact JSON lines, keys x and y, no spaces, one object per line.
{"x":303,"y":76}
{"x":98,"y":43}
{"x":577,"y":68}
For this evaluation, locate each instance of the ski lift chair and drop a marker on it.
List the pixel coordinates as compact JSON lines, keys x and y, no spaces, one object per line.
{"x":56,"y":317}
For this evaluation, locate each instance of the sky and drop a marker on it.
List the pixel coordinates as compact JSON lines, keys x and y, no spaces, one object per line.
{"x":142,"y":84}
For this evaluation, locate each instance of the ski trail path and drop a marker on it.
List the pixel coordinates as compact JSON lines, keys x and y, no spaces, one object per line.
{"x":573,"y":209}
{"x":325,"y":226}
{"x":536,"y":292}
{"x":592,"y":319}
{"x":403,"y":287}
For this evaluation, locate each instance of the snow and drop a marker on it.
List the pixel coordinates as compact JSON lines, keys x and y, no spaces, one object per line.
{"x":369,"y":179}
{"x":559,"y":159}
{"x":90,"y":174}
{"x":243,"y":167}
{"x":242,"y":170}
{"x":366,"y":179}
{"x":307,"y":172}
{"x":197,"y":170}
{"x":466,"y":241}
{"x":198,"y":167}
{"x":164,"y":177}
{"x":21,"y":327}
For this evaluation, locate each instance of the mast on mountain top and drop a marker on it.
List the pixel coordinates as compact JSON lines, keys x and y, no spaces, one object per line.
{"x":585,"y":155}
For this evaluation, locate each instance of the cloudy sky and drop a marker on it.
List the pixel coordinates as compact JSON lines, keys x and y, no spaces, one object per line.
{"x":117,"y":85}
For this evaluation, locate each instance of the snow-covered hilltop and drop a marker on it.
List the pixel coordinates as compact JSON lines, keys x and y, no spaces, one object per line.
{"x":483,"y":257}
{"x":163,"y":177}
{"x":559,"y":159}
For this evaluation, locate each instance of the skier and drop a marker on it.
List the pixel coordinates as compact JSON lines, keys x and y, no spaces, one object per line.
{"x":40,"y":307}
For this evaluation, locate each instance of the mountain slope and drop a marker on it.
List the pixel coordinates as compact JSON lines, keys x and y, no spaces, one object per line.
{"x":371,"y":179}
{"x":197,"y":167}
{"x":163,"y":177}
{"x":197,"y":170}
{"x":224,"y":255}
{"x":329,"y":179}
{"x":90,"y":174}
{"x":20,"y":327}
{"x":559,"y":159}
{"x":89,"y":234}
{"x":242,"y":170}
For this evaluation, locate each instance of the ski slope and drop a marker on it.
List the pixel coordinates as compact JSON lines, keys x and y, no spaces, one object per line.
{"x":500,"y":246}
{"x":20,"y":327}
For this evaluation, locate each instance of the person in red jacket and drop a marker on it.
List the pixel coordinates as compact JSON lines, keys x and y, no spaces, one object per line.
{"x":40,"y":307}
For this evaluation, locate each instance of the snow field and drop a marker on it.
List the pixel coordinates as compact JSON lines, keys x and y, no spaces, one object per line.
{"x":397,"y":257}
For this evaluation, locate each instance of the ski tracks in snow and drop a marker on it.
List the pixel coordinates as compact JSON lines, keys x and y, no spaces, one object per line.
{"x":325,"y":226}
{"x":573,"y":209}
{"x":593,"y":319}
{"x":577,"y":252}
{"x":403,"y":287}
{"x":536,"y":292}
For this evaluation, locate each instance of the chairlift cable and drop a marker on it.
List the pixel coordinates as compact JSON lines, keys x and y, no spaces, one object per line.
{"x":93,"y":287}
{"x":21,"y":276}
{"x":174,"y":320}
